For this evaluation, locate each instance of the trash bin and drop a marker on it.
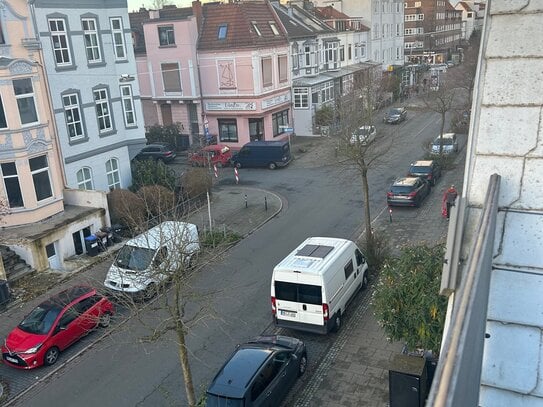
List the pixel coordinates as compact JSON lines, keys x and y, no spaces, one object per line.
{"x":91,"y":245}
{"x":117,"y":230}
{"x":407,"y":382}
{"x":4,"y":292}
{"x":109,"y":233}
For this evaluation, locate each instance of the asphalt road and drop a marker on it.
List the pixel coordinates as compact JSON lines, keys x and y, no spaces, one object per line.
{"x":323,"y":199}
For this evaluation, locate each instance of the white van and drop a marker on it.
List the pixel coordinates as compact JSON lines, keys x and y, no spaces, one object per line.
{"x":312,"y":286}
{"x":148,"y":259}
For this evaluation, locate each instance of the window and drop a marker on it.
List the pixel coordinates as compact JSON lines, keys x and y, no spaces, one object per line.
{"x":11,"y":184}
{"x":118,"y":38}
{"x":103,"y":115}
{"x":92,"y":46}
{"x":24,"y":93}
{"x":327,"y":91}
{"x":128,"y":105}
{"x":274,"y":28}
{"x":112,"y":172}
{"x":40,"y":175}
{"x":84,"y":178}
{"x":295,"y":56}
{"x":256,"y":28}
{"x":223,"y":30}
{"x":73,"y":115}
{"x":166,"y":35}
{"x":266,"y":71}
{"x":359,"y":257}
{"x":420,"y":17}
{"x":228,"y":130}
{"x":418,"y":4}
{"x":301,"y":98}
{"x":3,"y":121}
{"x":171,"y":77}
{"x":2,"y":38}
{"x":59,"y":38}
{"x":331,"y":54}
{"x":349,"y":52}
{"x":69,"y":316}
{"x":342,"y":53}
{"x":294,"y":292}
{"x":278,"y":120}
{"x":282,"y":63}
{"x":470,"y":15}
{"x":348,"y":269}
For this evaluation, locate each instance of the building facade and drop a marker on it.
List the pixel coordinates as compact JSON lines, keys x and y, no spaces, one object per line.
{"x":89,"y":59}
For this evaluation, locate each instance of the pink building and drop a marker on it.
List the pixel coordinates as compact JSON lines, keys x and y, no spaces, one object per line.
{"x":244,"y":70}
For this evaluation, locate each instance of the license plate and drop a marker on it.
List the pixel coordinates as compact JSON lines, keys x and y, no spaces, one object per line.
{"x":401,"y":197}
{"x":287,"y":313}
{"x":12,"y":360}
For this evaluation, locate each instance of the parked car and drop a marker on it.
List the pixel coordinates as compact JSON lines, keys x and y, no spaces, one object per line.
{"x":395,"y":115}
{"x":258,"y":373}
{"x":271,"y":154}
{"x":157,"y":151}
{"x":216,"y":154}
{"x":364,"y":135}
{"x":428,"y":169}
{"x":449,"y":142}
{"x":408,"y":191}
{"x":54,"y":325}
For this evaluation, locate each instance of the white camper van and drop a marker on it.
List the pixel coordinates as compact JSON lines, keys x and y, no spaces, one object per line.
{"x":312,"y":286}
{"x":147,"y":260}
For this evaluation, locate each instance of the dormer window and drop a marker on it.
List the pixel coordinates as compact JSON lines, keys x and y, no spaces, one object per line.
{"x":223,"y":29}
{"x":256,"y":28}
{"x":274,"y":28}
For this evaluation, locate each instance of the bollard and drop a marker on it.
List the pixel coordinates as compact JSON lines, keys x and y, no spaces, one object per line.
{"x":390,"y":214}
{"x":266,"y":203}
{"x":246,"y":205}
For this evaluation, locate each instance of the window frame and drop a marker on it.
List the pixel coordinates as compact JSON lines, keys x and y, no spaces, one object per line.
{"x":168,"y":79}
{"x":128,"y":110}
{"x":63,"y":49}
{"x":86,"y":183}
{"x":73,"y":123}
{"x":279,"y":119}
{"x":229,"y":137}
{"x":91,"y":33}
{"x":25,"y":96}
{"x":298,"y":96}
{"x":267,"y":71}
{"x":113,"y":175}
{"x":282,"y":67}
{"x":222,"y":31}
{"x":103,"y":110}
{"x":37,"y":177}
{"x":12,"y":203}
{"x":120,"y":33}
{"x":169,"y":38}
{"x":4,"y":125}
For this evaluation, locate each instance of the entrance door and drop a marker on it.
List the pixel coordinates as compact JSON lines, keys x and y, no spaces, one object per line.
{"x":166,"y":111}
{"x":79,"y":239}
{"x":52,"y":257}
{"x":256,"y":129}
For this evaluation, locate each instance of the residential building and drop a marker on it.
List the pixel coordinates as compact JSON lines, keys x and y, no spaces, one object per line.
{"x":165,"y":43}
{"x":243,"y":56}
{"x":90,"y":64}
{"x":41,"y":222}
{"x":385,"y":19}
{"x":491,"y":351}
{"x":468,"y":19}
{"x":432,"y":31}
{"x":327,"y":51}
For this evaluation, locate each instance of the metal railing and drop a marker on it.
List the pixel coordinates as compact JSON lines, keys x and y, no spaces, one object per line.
{"x":458,"y":375}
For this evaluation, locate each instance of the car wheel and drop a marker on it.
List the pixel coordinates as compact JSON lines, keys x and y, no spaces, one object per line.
{"x":272,"y":166}
{"x":105,"y":320}
{"x":302,"y":366}
{"x":238,"y":165}
{"x":337,"y":322}
{"x":365,"y":280}
{"x":51,"y":356}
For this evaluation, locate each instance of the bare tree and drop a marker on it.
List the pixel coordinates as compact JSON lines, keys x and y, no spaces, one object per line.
{"x":158,"y":4}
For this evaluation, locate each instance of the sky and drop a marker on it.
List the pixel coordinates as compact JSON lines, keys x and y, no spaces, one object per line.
{"x":134,"y":5}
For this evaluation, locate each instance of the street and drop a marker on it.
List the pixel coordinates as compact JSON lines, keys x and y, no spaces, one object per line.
{"x":322,"y":199}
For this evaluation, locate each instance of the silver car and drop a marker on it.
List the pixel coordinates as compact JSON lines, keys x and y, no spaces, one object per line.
{"x":449,"y":142}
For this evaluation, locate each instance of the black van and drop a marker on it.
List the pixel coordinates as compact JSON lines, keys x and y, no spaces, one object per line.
{"x":271,"y":154}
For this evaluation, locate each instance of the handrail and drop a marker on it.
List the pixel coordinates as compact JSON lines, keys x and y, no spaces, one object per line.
{"x":458,"y":375}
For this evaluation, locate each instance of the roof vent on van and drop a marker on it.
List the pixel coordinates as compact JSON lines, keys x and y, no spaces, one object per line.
{"x":314,"y":250}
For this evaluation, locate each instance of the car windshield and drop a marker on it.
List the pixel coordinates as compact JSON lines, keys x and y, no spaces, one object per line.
{"x":134,"y":258}
{"x":41,"y":319}
{"x":446,"y":141}
{"x":213,"y":400}
{"x":394,"y":112}
{"x":420,"y":170}
{"x":363,"y":131}
{"x":401,"y":189}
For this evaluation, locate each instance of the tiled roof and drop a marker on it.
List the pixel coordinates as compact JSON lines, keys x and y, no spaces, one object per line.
{"x":138,"y":18}
{"x":299,"y":23}
{"x":465,"y":5}
{"x":240,"y":31}
{"x":330,"y":12}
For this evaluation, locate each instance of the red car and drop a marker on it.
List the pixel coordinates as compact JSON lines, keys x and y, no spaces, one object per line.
{"x":217,"y":154}
{"x":54,"y":325}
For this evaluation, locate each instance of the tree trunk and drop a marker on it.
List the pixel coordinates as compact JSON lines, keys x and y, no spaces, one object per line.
{"x":441,"y":134}
{"x":367,"y":217}
{"x":185,"y":367}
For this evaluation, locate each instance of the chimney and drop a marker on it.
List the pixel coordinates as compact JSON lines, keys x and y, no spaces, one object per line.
{"x":197,"y":11}
{"x":154,"y":14}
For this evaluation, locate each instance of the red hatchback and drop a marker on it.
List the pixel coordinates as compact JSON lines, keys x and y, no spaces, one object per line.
{"x":54,"y":325}
{"x":216,"y":154}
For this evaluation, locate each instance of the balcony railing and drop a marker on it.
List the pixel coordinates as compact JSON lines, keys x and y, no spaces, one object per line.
{"x":458,"y":376}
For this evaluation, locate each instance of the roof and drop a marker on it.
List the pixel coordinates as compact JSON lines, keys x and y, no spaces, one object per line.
{"x":422,"y":163}
{"x":299,"y":23}
{"x":154,"y":237}
{"x":244,"y":25}
{"x":67,"y":296}
{"x":329,"y":12}
{"x":465,"y":5}
{"x":406,"y":181}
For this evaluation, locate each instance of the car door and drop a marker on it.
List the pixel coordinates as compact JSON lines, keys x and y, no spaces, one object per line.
{"x":89,"y":313}
{"x":271,"y":384}
{"x":67,"y":330}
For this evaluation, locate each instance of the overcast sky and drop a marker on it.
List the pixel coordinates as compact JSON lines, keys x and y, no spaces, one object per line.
{"x":134,"y":5}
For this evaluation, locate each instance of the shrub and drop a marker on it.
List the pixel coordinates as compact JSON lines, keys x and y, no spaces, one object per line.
{"x":126,"y":208}
{"x":377,"y":252}
{"x":196,"y":181}
{"x":165,"y":134}
{"x":158,"y":200}
{"x":150,"y":172}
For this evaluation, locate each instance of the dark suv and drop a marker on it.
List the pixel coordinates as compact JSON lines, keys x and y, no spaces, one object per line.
{"x":395,"y":115}
{"x":408,"y":191}
{"x":157,"y":151}
{"x":428,"y":169}
{"x":258,"y":373}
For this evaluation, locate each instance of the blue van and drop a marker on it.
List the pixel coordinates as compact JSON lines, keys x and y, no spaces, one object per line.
{"x":271,"y":154}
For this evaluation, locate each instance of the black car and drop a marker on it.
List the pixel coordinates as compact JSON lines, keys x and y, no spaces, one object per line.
{"x":408,"y":191}
{"x":395,"y":115}
{"x":157,"y":151}
{"x":428,"y":169}
{"x":258,"y":373}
